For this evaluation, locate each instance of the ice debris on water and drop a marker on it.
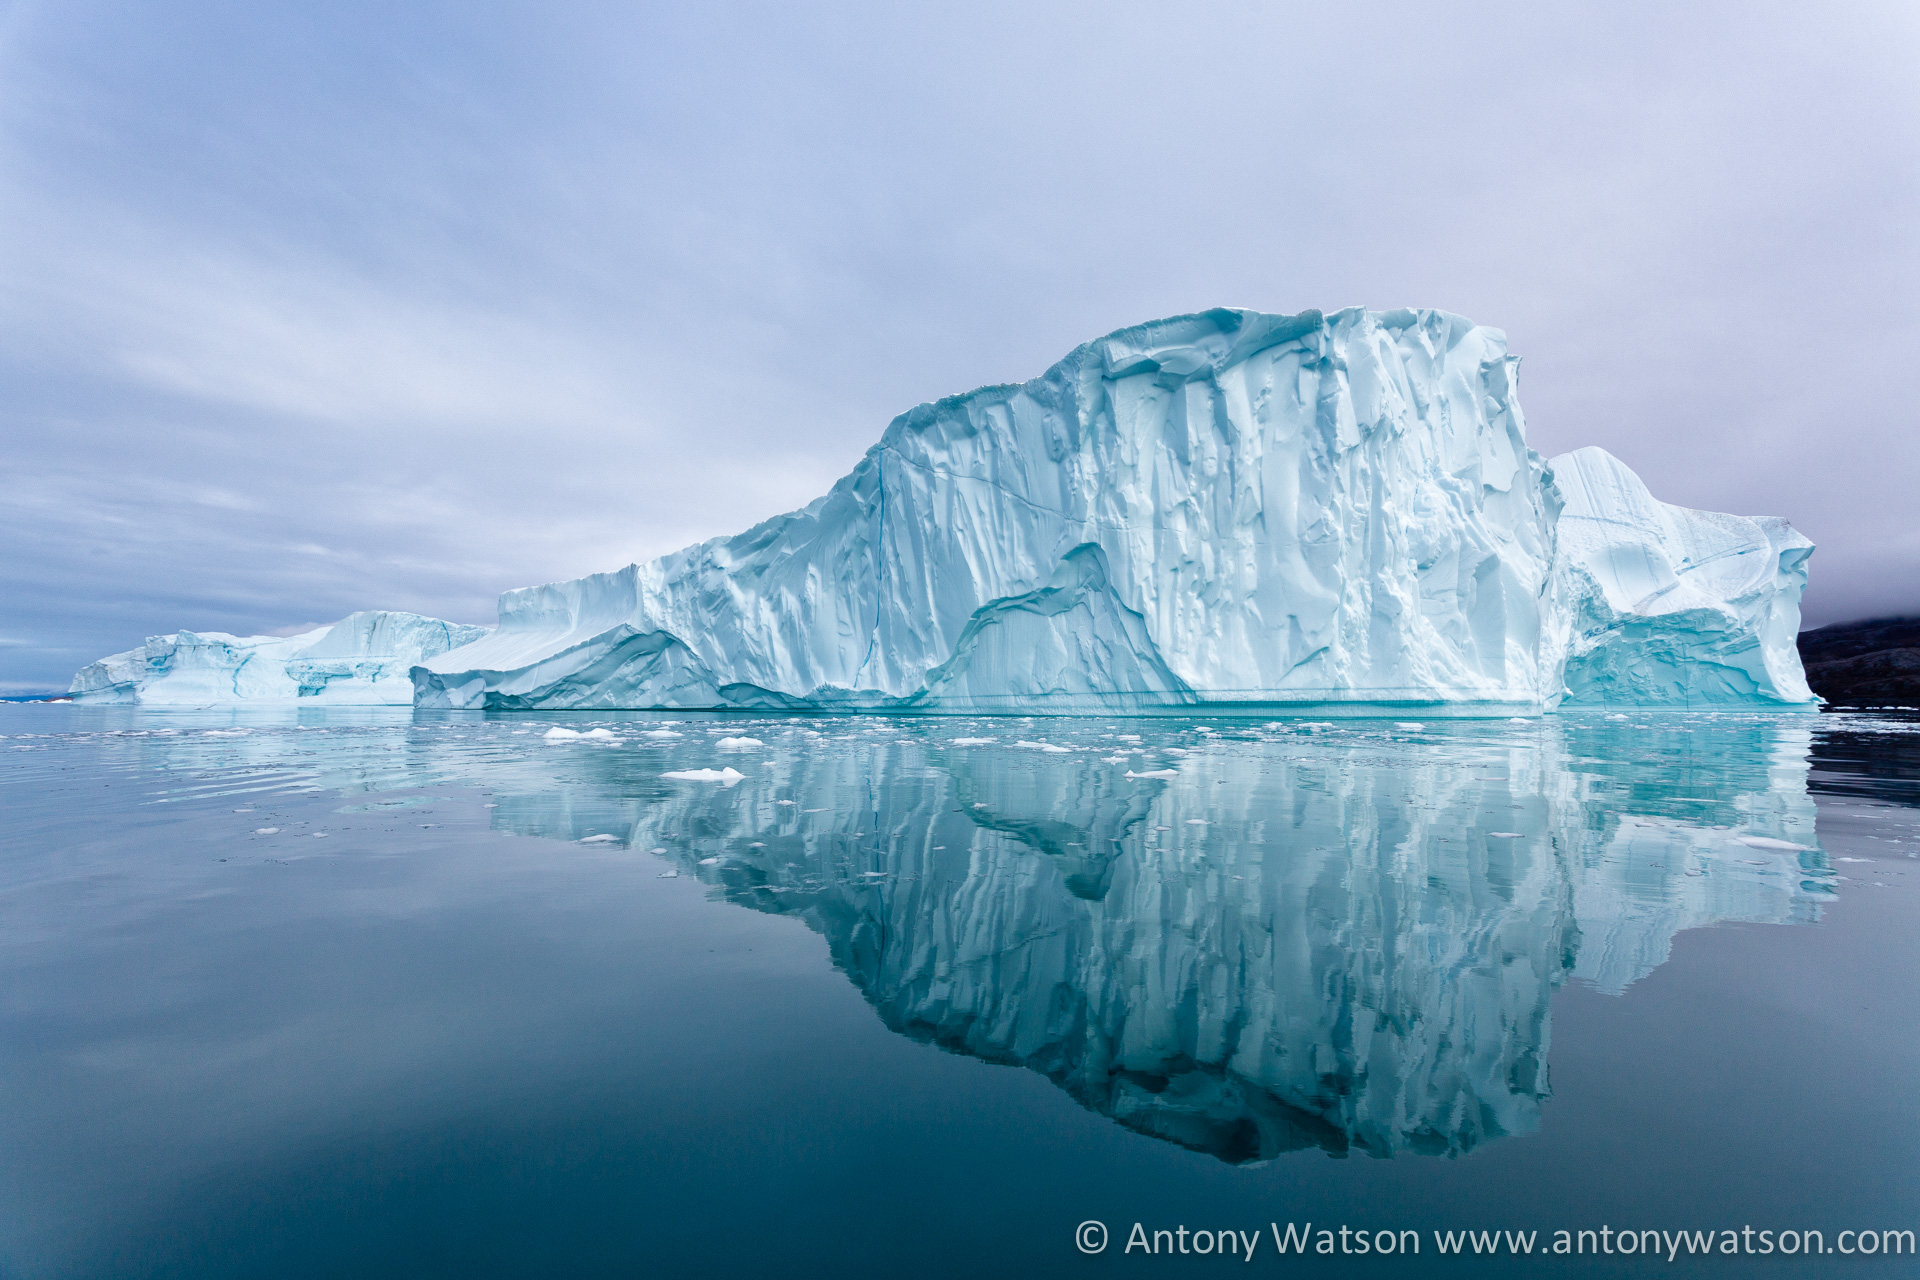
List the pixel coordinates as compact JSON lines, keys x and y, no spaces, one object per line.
{"x":266,"y":831}
{"x":1767,"y":842}
{"x":970,"y":742}
{"x":1153,"y":773}
{"x":739,"y":742}
{"x":728,"y":775}
{"x":600,"y":839}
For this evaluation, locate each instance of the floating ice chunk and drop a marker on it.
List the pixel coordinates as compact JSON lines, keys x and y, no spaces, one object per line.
{"x":728,"y":775}
{"x":1114,"y":759}
{"x":1153,"y":773}
{"x":560,"y":735}
{"x":757,"y":844}
{"x":1414,"y":725}
{"x":600,"y":839}
{"x":787,"y":802}
{"x":1506,"y":835}
{"x":969,"y":742}
{"x":1042,"y":746}
{"x":709,"y":862}
{"x":661,"y":733}
{"x":1853,"y":859}
{"x":600,"y":734}
{"x":266,"y":831}
{"x":319,"y":835}
{"x":673,"y":874}
{"x":1196,"y":822}
{"x":1127,"y":737}
{"x":739,"y":742}
{"x":1767,"y":842}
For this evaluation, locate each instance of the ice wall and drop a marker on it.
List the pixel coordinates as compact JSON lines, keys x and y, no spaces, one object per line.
{"x":1666,"y":606}
{"x":362,"y":659}
{"x":1229,"y":508}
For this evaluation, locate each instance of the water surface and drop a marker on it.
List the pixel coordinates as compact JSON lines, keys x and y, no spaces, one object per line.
{"x":386,"y":993}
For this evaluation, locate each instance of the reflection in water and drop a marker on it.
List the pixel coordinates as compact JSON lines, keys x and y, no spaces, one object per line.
{"x":1338,"y":936}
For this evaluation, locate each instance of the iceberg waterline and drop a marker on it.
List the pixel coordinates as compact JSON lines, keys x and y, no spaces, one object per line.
{"x":1224,"y":511}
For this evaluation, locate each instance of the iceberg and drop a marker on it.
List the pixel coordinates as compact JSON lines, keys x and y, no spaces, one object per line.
{"x":1667,"y":606}
{"x":1227,"y":509}
{"x":1230,"y":511}
{"x":1329,"y":513}
{"x":363,"y":659}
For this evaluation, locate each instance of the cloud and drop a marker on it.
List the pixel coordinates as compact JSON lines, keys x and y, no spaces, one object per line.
{"x":303,"y":311}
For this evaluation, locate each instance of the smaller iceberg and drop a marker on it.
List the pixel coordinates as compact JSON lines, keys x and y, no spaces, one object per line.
{"x":361,"y":660}
{"x":1667,"y":606}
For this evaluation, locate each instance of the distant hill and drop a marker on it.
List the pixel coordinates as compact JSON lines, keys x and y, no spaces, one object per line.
{"x":1872,"y":663}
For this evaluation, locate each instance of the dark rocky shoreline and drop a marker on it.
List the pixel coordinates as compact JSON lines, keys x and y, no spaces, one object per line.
{"x":1871,"y":663}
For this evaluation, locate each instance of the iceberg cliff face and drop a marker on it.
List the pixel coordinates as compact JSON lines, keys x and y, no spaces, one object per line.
{"x":361,"y":660}
{"x":1666,"y":606}
{"x":1229,"y":508}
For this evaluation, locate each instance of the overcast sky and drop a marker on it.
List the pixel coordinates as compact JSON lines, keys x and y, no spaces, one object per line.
{"x":311,"y":308}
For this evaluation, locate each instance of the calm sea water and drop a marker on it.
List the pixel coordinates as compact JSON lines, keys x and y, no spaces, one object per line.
{"x":399,"y":994}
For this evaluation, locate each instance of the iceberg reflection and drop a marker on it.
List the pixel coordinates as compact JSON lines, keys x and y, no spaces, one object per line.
{"x":1246,"y":940}
{"x":1343,"y":937}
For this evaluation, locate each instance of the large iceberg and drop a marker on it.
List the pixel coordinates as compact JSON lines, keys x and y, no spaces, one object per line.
{"x":1229,"y":510}
{"x":363,"y":659}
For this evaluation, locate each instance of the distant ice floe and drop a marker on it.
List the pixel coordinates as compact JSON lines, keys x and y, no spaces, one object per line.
{"x":727,"y":775}
{"x":361,"y":660}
